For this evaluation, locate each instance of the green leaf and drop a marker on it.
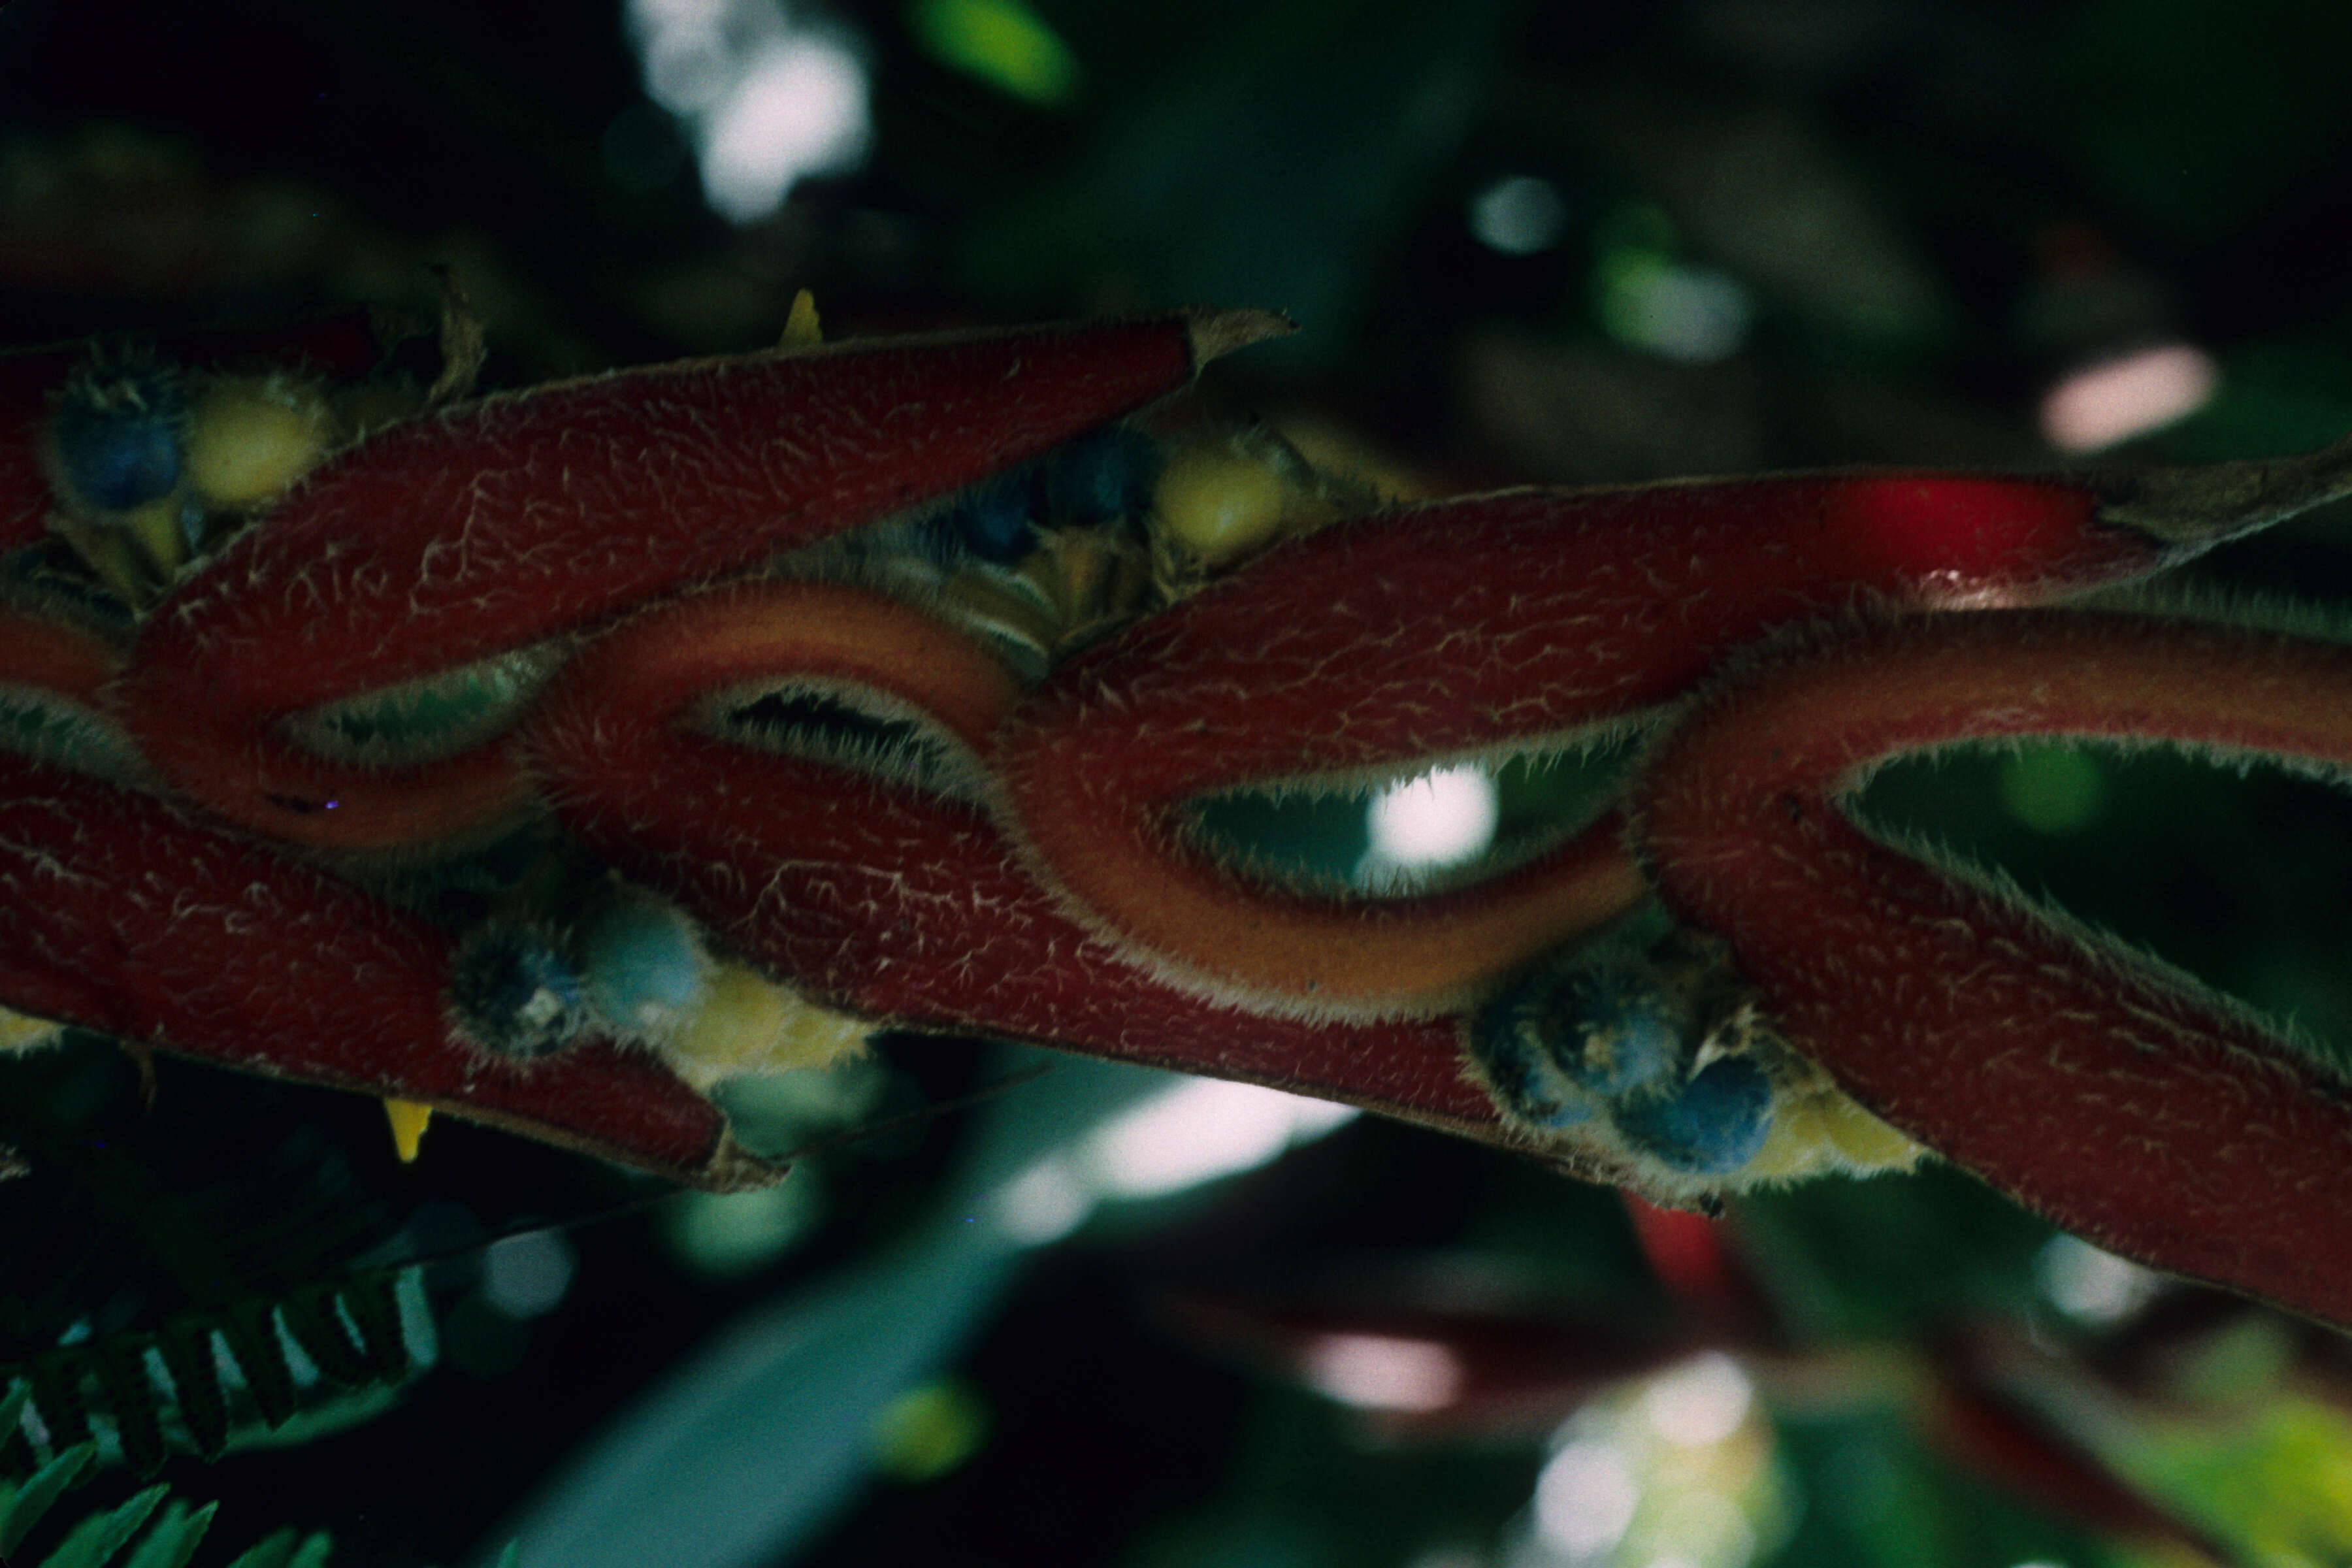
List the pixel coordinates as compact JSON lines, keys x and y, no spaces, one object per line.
{"x":187,"y":1350}
{"x":747,"y":1450}
{"x":175,"y":1537}
{"x":310,"y":1316}
{"x":14,"y":1449}
{"x":58,"y":1395}
{"x":95,"y":1540}
{"x":280,"y":1551}
{"x":121,"y":1365}
{"x":34,"y":1498}
{"x":251,"y":1331}
{"x":270,"y":1553}
{"x":373,"y":1303}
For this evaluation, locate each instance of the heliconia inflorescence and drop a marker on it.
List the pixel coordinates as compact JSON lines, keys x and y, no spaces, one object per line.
{"x":617,"y":736}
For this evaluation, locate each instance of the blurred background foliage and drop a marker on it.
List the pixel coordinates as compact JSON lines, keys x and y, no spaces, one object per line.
{"x":1526,"y":243}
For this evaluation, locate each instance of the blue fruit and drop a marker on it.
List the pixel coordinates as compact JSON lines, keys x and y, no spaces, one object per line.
{"x":644,"y":966}
{"x":1565,"y":1036}
{"x":516,"y":993}
{"x":1523,"y":1071}
{"x":1570,"y":1034}
{"x":117,"y":440}
{"x":1102,"y":475}
{"x":1715,"y":1122}
{"x":1614,"y":1026}
{"x":993,"y":521}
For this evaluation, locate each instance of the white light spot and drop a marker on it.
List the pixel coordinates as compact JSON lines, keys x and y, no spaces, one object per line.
{"x":2104,"y":403}
{"x":1200,"y":1129}
{"x":1439,"y":819}
{"x":1519,"y":216}
{"x":1375,"y":1372}
{"x":766,"y":97}
{"x":688,"y":70}
{"x":1044,"y":1203}
{"x":1700,"y":1402}
{"x":1585,"y":1497}
{"x":663,"y":15}
{"x":2094,"y":1286}
{"x":525,"y":1276}
{"x":1449,"y":1557}
{"x":798,"y":109}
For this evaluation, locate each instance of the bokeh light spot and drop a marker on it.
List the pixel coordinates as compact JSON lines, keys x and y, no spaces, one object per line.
{"x":527,"y":1276}
{"x":1692,"y":314}
{"x":734,"y":1233}
{"x":1440,"y":818}
{"x":927,"y":1431}
{"x":1002,"y":43}
{"x":1519,"y":216}
{"x":2118,"y":399}
{"x":1045,"y":1203}
{"x":798,"y":109}
{"x":1700,"y":1403}
{"x":1380,"y":1372}
{"x":1199,"y":1131}
{"x":1585,"y":1497}
{"x":766,"y":97}
{"x":2091,"y":1284}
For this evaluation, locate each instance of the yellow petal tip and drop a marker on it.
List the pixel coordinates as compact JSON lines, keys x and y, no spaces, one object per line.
{"x":408,"y":1120}
{"x":801,"y":329}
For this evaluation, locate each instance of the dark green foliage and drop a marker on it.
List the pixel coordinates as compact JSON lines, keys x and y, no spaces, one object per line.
{"x":148,"y":1394}
{"x":2054,"y":183}
{"x":104,"y":1537}
{"x":286,"y":1549}
{"x":101,"y":1536}
{"x":161,"y":1266}
{"x":187,"y":1350}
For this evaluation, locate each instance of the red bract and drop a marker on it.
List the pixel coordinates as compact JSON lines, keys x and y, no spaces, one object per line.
{"x":2117,"y":1099}
{"x":204,"y":942}
{"x":124,"y":913}
{"x":1461,"y":628}
{"x":886,"y":896}
{"x":1019,"y":868}
{"x":446,"y":540}
{"x":505,"y":522}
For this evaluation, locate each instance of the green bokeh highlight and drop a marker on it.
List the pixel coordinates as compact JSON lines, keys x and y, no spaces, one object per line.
{"x":930,"y":1430}
{"x":2055,"y":790}
{"x":1001,"y":42}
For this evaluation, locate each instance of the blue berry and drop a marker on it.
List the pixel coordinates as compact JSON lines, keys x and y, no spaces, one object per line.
{"x":1524,"y":1074}
{"x":993,"y":519}
{"x":1534,"y":1059}
{"x":516,"y":993}
{"x":117,"y":440}
{"x":1715,"y":1122}
{"x":1613,"y":1027}
{"x":1104,"y":474}
{"x":1571,"y":1033}
{"x":644,"y":966}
